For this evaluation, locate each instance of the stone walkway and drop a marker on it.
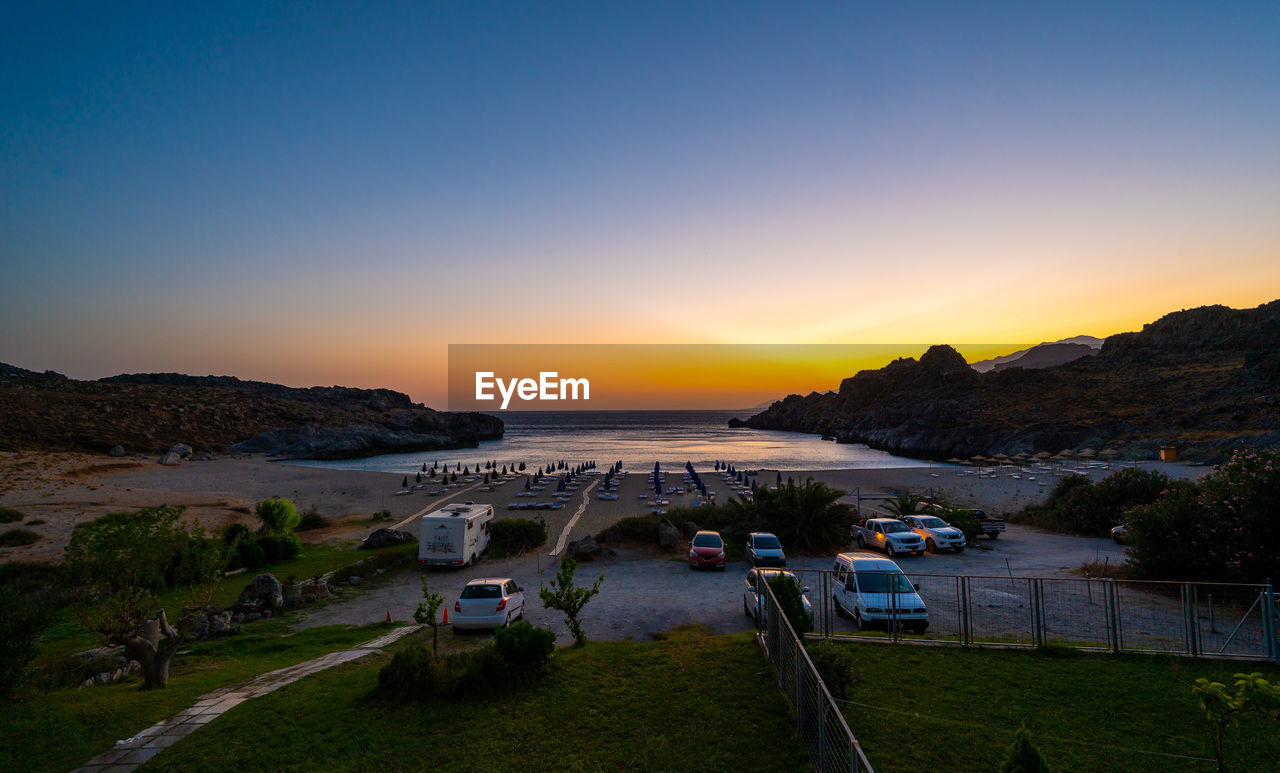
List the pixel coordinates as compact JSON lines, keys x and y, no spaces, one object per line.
{"x":129,"y":754}
{"x":564,"y":535}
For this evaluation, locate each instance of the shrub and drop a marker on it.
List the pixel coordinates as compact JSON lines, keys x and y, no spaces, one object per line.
{"x":233,"y":532}
{"x":15,"y":538}
{"x":311,"y":520}
{"x":642,"y":529}
{"x":808,"y":515}
{"x":412,"y":673}
{"x":1078,"y":506}
{"x":36,"y":522}
{"x":1023,"y":757}
{"x":279,"y":547}
{"x":251,"y":555}
{"x":525,"y":648}
{"x":837,"y":666}
{"x":198,"y":552}
{"x":23,"y":618}
{"x":513,"y":536}
{"x":9,"y":515}
{"x":278,"y":516}
{"x":789,"y":598}
{"x":963,"y":519}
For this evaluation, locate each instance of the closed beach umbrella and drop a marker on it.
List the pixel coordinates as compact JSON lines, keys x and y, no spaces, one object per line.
{"x":779,"y":477}
{"x":527,"y":485}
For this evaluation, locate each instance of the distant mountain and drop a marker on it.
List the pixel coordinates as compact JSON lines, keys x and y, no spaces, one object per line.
{"x":1206,"y":379}
{"x":1046,"y":354}
{"x":149,"y":412}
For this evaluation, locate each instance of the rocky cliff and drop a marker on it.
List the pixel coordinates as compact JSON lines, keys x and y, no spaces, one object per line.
{"x":151,"y":412}
{"x":1206,"y":380}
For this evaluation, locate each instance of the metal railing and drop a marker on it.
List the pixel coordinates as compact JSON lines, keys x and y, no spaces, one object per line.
{"x":822,"y":727}
{"x":1196,"y":619}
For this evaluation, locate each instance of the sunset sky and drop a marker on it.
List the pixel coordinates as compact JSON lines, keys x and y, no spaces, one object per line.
{"x":333,"y":194}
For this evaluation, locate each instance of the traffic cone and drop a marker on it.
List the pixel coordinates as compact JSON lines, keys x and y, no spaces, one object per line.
{"x":446,"y":615}
{"x":388,"y":615}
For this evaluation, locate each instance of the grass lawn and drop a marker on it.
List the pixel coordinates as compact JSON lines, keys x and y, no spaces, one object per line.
{"x":689,"y":702}
{"x":59,"y":730}
{"x":943,"y":708}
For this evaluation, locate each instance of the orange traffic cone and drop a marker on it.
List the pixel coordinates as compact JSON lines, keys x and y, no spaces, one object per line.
{"x":446,"y":615}
{"x":388,"y":615}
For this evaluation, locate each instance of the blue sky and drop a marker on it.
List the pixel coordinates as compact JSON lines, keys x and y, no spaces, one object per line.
{"x":333,"y":193}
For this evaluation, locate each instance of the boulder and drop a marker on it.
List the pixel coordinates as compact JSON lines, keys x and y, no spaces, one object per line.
{"x":181,"y":449}
{"x":170,"y":459}
{"x":689,"y":529}
{"x":668,"y":534}
{"x":383,"y":538}
{"x":585,"y":549}
{"x":116,"y":451}
{"x":353,"y":580}
{"x":219,"y":623}
{"x":264,"y":590}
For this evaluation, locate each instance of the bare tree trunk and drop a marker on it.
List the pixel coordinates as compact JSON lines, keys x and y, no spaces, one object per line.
{"x":153,"y":657}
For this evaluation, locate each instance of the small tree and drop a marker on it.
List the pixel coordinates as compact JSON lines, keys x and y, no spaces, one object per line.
{"x":1224,"y":706}
{"x":121,"y":562}
{"x":23,"y":618}
{"x":280,"y":516}
{"x":562,"y":595}
{"x":426,"y":614}
{"x":904,"y":504}
{"x":1023,"y":757}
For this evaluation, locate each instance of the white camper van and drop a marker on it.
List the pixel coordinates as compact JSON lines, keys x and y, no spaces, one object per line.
{"x":454,"y":535}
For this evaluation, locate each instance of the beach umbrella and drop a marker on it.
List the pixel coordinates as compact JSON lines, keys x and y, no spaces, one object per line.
{"x":1087,"y":453}
{"x":424,"y":466}
{"x":753,"y":485}
{"x":1044,"y":455}
{"x":560,"y":485}
{"x":789,"y":481}
{"x":527,"y":485}
{"x":954,"y":460}
{"x":779,"y":477}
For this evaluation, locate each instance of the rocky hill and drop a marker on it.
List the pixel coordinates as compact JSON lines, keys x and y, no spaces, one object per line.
{"x":1044,"y":355}
{"x":1206,"y":380}
{"x":151,"y":412}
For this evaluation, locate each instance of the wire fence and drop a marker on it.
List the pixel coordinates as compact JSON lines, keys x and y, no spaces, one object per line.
{"x":1196,"y":619}
{"x":822,"y":727}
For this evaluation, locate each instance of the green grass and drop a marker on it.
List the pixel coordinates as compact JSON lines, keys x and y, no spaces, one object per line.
{"x":60,"y":730}
{"x":688,"y":702}
{"x":14,"y":538}
{"x":958,"y":709}
{"x":67,"y":635}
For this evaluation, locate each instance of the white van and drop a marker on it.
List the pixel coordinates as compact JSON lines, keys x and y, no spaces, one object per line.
{"x":454,"y":535}
{"x":874,"y":591}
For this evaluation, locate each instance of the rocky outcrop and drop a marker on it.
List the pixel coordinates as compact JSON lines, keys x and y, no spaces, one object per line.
{"x":585,"y":549}
{"x":398,"y":435}
{"x":668,"y":534}
{"x":385,"y":538}
{"x":262,"y":592}
{"x":1206,"y":379}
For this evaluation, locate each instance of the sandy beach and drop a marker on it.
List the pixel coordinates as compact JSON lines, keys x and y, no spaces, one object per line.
{"x":58,"y":491}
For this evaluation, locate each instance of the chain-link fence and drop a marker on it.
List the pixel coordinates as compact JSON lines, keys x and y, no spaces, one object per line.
{"x":826,"y":735}
{"x":1198,"y":619}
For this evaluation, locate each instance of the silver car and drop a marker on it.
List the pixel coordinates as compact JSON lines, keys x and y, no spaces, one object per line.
{"x":937,"y":533}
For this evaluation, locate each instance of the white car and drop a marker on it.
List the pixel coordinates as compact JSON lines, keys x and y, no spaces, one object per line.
{"x":490,"y":602}
{"x":874,"y":592}
{"x":752,"y":607}
{"x":890,"y":535}
{"x":937,"y":533}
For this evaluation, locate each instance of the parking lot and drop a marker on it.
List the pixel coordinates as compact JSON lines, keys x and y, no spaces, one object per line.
{"x":645,"y":592}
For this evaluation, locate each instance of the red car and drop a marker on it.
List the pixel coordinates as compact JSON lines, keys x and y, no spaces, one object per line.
{"x":707,"y":550}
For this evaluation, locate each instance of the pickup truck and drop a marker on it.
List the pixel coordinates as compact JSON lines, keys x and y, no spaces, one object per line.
{"x":888,"y":534}
{"x":990,"y":525}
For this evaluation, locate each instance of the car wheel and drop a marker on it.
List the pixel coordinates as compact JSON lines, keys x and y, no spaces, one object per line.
{"x":960,"y":549}
{"x":930,"y":545}
{"x":857,"y":621}
{"x":993,"y":534}
{"x":835,"y":602}
{"x":888,"y":548}
{"x":862,"y":543}
{"x":507,"y":622}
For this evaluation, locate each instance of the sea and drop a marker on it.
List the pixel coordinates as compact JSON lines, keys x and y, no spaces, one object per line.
{"x":638,"y":439}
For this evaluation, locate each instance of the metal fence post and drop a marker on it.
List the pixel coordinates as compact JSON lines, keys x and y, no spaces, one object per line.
{"x":1269,"y":622}
{"x":1109,"y":605}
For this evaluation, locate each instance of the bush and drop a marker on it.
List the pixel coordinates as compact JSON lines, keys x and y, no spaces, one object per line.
{"x":807,"y":515}
{"x":790,"y":599}
{"x":15,"y":538}
{"x":1079,"y":506}
{"x":513,"y":536}
{"x":8,"y":515}
{"x":963,"y":519}
{"x":524,"y":647}
{"x":412,"y":673}
{"x":642,"y":529}
{"x":279,"y":547}
{"x":837,"y":666}
{"x":312,"y":519}
{"x":278,"y":516}
{"x":251,"y":555}
{"x":232,"y":533}
{"x":23,"y":618}
{"x":1023,"y":757}
{"x":187,"y":562}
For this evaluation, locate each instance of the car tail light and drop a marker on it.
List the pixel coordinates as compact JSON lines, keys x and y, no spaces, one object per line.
{"x":502,"y":604}
{"x":457,"y":606}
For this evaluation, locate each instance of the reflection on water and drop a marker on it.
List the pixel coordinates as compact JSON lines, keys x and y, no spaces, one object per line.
{"x":638,"y":439}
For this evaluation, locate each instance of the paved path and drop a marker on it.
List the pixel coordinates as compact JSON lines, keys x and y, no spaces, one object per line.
{"x":564,"y":535}
{"x":130,"y":754}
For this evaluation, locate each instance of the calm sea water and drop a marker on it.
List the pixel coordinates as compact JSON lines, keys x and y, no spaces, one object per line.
{"x":638,"y":439}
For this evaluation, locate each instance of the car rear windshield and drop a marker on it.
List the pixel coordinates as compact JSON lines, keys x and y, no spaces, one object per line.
{"x":895,"y":527}
{"x":707,"y":541}
{"x":883,"y":582}
{"x":768,"y":543}
{"x":482,"y":592}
